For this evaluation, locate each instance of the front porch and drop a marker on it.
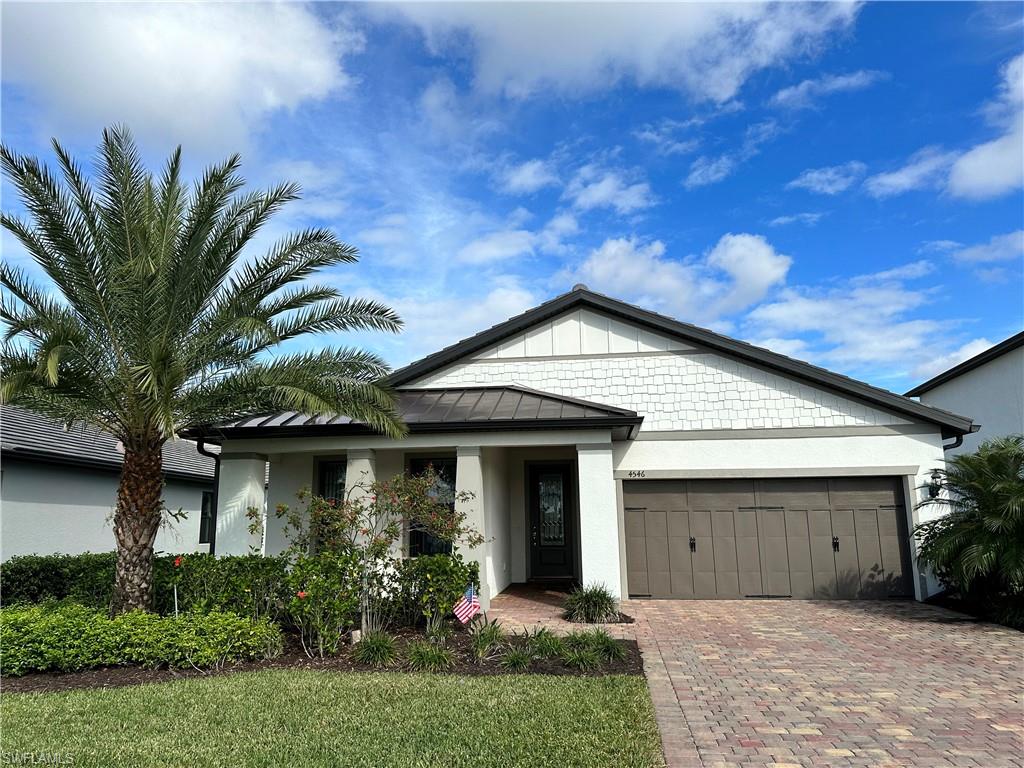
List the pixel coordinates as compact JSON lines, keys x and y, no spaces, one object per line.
{"x":539,"y":468}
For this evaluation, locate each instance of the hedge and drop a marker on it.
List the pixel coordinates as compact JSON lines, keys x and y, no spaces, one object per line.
{"x":249,"y":585}
{"x":67,"y":637}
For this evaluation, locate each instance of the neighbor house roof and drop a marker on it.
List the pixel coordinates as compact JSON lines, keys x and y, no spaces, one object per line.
{"x":581,"y":297}
{"x":978,"y":360}
{"x":446,"y":410}
{"x":28,"y":435}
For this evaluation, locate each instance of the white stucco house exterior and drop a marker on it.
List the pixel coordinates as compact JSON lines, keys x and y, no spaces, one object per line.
{"x":58,"y":488}
{"x":606,"y":443}
{"x":989,"y":386}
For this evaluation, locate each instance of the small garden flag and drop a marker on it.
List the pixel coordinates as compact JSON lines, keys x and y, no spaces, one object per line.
{"x":468,"y":605}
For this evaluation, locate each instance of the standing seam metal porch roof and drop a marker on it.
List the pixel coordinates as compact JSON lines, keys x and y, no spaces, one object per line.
{"x":446,"y":410}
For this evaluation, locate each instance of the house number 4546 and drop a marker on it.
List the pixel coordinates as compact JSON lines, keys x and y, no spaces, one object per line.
{"x":638,"y":473}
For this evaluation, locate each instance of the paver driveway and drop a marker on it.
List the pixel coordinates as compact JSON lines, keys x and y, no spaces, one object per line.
{"x":754,"y":683}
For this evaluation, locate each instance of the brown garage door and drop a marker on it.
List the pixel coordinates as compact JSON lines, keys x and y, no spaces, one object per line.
{"x":824,"y":538}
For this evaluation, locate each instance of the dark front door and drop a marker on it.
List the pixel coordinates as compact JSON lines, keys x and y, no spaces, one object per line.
{"x":551,"y":517}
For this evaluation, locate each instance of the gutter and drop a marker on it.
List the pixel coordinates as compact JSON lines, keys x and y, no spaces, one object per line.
{"x":959,"y":439}
{"x":202,"y":449}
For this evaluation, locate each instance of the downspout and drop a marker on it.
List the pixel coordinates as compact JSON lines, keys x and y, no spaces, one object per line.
{"x":959,"y":439}
{"x":201,"y":447}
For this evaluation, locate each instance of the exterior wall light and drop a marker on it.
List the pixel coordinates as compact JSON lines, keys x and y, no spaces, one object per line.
{"x":936,"y":484}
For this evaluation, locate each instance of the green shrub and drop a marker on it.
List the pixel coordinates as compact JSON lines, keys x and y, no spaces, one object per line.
{"x":66,"y":637}
{"x":87,"y":578}
{"x":516,"y":660}
{"x":324,"y":601}
{"x":977,"y":548}
{"x":545,"y":644}
{"x":598,"y":641}
{"x":592,"y":604}
{"x":425,"y":656}
{"x":484,"y":637}
{"x":429,"y":585}
{"x":376,"y":649}
{"x":249,"y":585}
{"x":582,"y":658}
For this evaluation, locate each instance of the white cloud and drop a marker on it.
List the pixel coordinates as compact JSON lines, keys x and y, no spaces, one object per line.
{"x":204,"y":74}
{"x":707,"y":50}
{"x":389,"y":231}
{"x":514,"y":242}
{"x":596,"y":187}
{"x":527,"y":177}
{"x":939,"y":246}
{"x":1006,"y":247}
{"x":931,"y":367}
{"x":736,"y":273}
{"x":926,"y":168}
{"x":497,"y":246}
{"x":808,"y":218}
{"x":710,"y":170}
{"x":996,"y":167}
{"x":830,"y":180}
{"x":911,"y":271}
{"x":664,"y":138}
{"x":803,"y":95}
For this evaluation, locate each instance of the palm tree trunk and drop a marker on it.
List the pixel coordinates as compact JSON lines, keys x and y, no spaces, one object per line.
{"x":136,"y":521}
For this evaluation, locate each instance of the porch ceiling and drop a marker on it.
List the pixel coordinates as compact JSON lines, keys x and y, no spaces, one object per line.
{"x":446,"y":410}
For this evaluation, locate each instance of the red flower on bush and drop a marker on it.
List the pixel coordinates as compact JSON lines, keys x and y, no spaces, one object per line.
{"x":177,"y":561}
{"x":301,"y":594}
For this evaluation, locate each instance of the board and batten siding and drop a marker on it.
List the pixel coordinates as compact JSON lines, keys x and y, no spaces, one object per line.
{"x":672,"y":385}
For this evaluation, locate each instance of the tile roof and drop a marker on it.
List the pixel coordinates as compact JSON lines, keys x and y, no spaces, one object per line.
{"x":24,"y":434}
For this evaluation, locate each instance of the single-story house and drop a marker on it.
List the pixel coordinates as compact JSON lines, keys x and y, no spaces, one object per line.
{"x":989,"y":386}
{"x":606,"y":443}
{"x":58,"y":489}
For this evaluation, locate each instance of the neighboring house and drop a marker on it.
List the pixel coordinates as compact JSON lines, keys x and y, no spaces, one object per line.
{"x":58,"y":489}
{"x":989,"y":386}
{"x":605,"y":443}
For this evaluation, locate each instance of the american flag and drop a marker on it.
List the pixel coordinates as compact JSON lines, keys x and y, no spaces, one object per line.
{"x":468,"y":605}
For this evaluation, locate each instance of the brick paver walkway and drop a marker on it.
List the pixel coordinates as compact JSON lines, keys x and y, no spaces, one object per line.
{"x":802,"y":683}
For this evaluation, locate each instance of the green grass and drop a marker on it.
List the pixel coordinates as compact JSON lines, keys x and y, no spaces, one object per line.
{"x":372,"y":720}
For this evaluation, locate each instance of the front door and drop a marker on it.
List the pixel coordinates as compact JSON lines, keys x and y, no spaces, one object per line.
{"x":551,"y":517}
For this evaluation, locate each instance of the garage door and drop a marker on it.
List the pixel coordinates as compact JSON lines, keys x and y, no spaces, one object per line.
{"x":823,"y":538}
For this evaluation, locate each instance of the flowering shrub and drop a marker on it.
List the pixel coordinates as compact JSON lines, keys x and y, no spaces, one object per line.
{"x":65,"y":637}
{"x":367,"y":526}
{"x":324,"y":602}
{"x":430,"y":585}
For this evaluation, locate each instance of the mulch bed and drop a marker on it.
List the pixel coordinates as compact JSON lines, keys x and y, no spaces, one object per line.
{"x":295,"y":658}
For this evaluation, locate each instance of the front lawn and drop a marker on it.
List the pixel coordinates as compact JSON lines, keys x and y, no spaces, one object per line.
{"x":311,"y":718}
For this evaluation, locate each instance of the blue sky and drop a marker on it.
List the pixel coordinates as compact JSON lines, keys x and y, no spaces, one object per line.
{"x":838,"y":182}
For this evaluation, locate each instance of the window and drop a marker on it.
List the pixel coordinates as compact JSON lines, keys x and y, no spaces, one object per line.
{"x":420,"y":541}
{"x":207,"y":518}
{"x":331,"y":482}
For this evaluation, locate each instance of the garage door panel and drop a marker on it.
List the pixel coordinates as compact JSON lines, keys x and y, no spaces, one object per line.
{"x":869,"y":554}
{"x":801,"y":492}
{"x":657,"y":542}
{"x":895,"y":562}
{"x":847,"y":563}
{"x":823,"y":559}
{"x":774,"y":551}
{"x":864,"y":491}
{"x":798,"y":549}
{"x":703,"y":557}
{"x":723,"y":527}
{"x":636,"y":553}
{"x":748,"y":552}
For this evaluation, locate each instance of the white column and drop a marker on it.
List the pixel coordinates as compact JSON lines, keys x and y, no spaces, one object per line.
{"x":360,"y":472}
{"x":242,"y":487}
{"x":289,"y":474}
{"x":599,"y":525}
{"x":469,"y":476}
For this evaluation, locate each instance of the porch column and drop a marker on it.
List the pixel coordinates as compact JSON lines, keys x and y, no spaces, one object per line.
{"x":599,"y":523}
{"x":289,"y":474}
{"x":242,"y":486}
{"x":469,"y":476}
{"x":360,"y":470}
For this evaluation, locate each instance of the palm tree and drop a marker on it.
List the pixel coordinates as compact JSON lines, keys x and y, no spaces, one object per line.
{"x":978,"y":547}
{"x":154,"y":322}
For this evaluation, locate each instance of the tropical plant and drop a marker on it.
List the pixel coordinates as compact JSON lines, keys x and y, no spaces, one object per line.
{"x":977,"y":548}
{"x":516,"y":660}
{"x":484,"y":637}
{"x":545,"y":644}
{"x":425,"y":656}
{"x":592,"y":604}
{"x":155,"y":320}
{"x":376,"y":649}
